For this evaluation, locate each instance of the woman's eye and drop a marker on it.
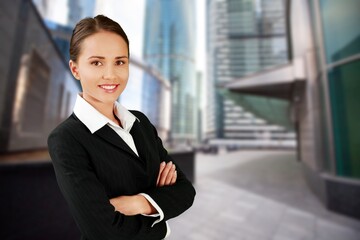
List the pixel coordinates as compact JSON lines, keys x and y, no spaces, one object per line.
{"x":120,"y":62}
{"x":96,"y":63}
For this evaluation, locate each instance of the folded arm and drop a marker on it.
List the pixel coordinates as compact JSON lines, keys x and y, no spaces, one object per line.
{"x":176,"y":198}
{"x":87,"y":199}
{"x":139,"y":204}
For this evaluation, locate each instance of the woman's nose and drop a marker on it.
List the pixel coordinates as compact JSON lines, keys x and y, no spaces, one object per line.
{"x":109,"y":73}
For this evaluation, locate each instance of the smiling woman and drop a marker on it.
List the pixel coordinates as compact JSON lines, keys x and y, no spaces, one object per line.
{"x":102,"y":66}
{"x":110,"y":164}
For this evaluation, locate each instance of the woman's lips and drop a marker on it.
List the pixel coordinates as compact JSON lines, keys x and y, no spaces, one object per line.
{"x":109,"y":88}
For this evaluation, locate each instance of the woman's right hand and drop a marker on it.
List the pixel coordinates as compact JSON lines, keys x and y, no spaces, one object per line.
{"x":167,"y":174}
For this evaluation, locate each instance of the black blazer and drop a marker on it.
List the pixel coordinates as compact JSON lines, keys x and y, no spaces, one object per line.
{"x":92,"y":168}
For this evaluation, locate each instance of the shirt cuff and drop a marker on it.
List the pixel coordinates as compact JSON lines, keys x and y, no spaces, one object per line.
{"x":158,"y":209}
{"x":168,"y":230}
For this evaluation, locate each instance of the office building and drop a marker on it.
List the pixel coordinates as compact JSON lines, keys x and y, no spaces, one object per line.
{"x":61,"y":35}
{"x":321,"y":82}
{"x":37,"y":88}
{"x":169,"y":47}
{"x":243,"y":37}
{"x":148,"y":92}
{"x":79,"y":9}
{"x":65,"y":12}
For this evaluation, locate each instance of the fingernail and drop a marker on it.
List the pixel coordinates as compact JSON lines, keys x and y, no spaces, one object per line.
{"x":163,"y":164}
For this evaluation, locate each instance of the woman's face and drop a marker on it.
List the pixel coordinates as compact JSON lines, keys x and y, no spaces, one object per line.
{"x":102,"y":67}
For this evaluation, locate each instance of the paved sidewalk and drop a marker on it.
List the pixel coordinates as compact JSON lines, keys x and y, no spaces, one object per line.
{"x":257,"y":195}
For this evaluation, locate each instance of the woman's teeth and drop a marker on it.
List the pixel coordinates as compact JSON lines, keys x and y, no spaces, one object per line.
{"x":108,"y":87}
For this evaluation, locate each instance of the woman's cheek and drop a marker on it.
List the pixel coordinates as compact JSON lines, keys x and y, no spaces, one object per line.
{"x":124,"y":76}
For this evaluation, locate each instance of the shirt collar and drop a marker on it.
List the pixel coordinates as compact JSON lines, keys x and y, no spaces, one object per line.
{"x":94,"y":120}
{"x":126,"y":118}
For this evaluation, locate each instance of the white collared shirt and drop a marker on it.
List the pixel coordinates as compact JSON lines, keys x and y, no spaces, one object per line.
{"x":94,"y":120}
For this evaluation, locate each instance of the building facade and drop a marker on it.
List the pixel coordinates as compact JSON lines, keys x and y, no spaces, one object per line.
{"x":78,"y":9}
{"x":61,"y":35}
{"x":37,"y":88}
{"x":148,"y":92}
{"x":71,"y":11}
{"x":321,"y":81}
{"x":337,"y":143}
{"x":169,"y":47}
{"x":243,"y":37}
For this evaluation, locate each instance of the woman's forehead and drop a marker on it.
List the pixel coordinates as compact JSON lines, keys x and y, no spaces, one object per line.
{"x":104,"y":44}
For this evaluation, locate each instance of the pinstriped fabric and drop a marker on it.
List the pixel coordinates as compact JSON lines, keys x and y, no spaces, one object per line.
{"x":92,"y":168}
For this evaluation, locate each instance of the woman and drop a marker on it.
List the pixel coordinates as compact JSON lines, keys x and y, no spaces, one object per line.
{"x":110,"y":164}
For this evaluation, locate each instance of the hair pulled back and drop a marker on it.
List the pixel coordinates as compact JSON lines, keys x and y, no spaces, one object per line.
{"x":89,"y":26}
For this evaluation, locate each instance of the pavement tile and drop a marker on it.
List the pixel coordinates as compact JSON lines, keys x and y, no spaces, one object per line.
{"x":257,"y":196}
{"x":293,"y":232}
{"x":327,"y":230}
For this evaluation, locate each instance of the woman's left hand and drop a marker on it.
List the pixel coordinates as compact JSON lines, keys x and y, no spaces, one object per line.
{"x":167,"y":174}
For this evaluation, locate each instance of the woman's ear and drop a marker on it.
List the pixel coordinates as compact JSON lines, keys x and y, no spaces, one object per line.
{"x":74,"y":69}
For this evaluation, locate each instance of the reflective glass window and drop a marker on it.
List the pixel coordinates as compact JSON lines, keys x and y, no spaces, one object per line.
{"x":341,"y":28}
{"x":345,"y":98}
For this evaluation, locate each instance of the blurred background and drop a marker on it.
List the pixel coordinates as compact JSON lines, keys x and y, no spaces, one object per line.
{"x":257,"y":101}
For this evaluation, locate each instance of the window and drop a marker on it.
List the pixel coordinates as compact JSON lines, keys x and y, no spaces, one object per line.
{"x":344,"y":87}
{"x":341,"y":28}
{"x":35,"y":87}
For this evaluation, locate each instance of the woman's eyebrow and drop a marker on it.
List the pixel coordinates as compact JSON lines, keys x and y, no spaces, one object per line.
{"x":100,"y":57}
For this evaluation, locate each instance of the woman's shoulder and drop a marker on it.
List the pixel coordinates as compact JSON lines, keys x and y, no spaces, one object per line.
{"x":70,"y":125}
{"x":139,"y":115}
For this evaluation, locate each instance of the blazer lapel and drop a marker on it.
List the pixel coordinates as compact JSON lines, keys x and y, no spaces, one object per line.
{"x":140,"y":141}
{"x":110,"y":136}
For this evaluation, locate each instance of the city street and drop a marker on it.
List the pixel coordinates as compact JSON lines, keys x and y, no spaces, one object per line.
{"x":277,"y":78}
{"x":257,"y":195}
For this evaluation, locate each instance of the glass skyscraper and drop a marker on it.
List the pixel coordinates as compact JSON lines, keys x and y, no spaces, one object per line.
{"x":153,"y":101}
{"x":76,"y":9}
{"x":169,"y":47}
{"x":61,"y":35}
{"x":79,"y":9}
{"x":243,"y":37}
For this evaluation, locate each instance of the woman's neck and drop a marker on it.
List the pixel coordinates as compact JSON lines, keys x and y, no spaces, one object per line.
{"x":106,"y":109}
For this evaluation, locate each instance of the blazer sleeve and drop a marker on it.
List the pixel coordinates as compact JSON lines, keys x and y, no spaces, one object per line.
{"x":175,"y":199}
{"x":86,"y":196}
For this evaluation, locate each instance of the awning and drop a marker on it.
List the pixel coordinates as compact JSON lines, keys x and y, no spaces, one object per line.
{"x":277,"y":82}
